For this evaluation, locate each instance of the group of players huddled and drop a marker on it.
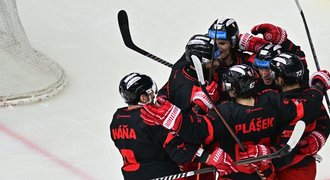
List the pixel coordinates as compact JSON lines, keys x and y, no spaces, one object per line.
{"x":261,"y":87}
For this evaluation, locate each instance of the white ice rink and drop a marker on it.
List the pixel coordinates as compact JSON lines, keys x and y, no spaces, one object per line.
{"x":67,"y":137}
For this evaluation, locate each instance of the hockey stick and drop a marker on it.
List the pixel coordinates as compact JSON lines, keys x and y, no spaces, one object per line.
{"x":187,"y":174}
{"x":126,"y":35}
{"x":212,"y":58}
{"x":312,"y":46}
{"x":200,"y":75}
{"x":292,"y":142}
{"x":199,"y":71}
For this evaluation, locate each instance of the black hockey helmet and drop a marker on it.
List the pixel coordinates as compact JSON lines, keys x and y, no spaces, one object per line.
{"x":288,"y":66}
{"x":133,"y":85}
{"x":266,"y":53}
{"x":200,"y":46}
{"x":226,"y":29}
{"x":241,"y":78}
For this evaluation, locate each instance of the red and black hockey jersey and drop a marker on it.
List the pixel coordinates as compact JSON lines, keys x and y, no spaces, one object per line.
{"x":252,"y":124}
{"x":321,"y":124}
{"x":147,"y":151}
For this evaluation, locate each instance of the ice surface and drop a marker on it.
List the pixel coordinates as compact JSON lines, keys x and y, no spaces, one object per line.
{"x":67,"y":136}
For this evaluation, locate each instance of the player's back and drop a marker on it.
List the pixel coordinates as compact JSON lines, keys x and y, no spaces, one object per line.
{"x":140,"y":146}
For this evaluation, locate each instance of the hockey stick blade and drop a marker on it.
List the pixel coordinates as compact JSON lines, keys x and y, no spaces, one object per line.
{"x":186,"y":174}
{"x":199,"y":69}
{"x":292,"y":142}
{"x":296,"y":134}
{"x":124,"y":29}
{"x":126,"y":35}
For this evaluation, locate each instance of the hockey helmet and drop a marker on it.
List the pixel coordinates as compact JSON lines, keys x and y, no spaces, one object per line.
{"x":267,"y":52}
{"x":133,"y":85}
{"x":241,"y":78}
{"x":288,"y":66}
{"x":226,"y":29}
{"x":200,"y":46}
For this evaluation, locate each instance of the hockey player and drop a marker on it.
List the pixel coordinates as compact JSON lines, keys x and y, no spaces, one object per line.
{"x":254,"y":119}
{"x":232,"y":46}
{"x":228,"y":52}
{"x":289,"y":71}
{"x":182,"y":88}
{"x":268,"y":51}
{"x":151,"y":151}
{"x":316,"y":137}
{"x":183,"y":82}
{"x":226,"y":35}
{"x":261,"y":63}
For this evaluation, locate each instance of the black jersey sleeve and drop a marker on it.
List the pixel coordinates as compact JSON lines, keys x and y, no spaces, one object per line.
{"x":196,"y":128}
{"x":312,"y":102}
{"x":178,"y":150}
{"x":290,"y":47}
{"x":164,"y":92}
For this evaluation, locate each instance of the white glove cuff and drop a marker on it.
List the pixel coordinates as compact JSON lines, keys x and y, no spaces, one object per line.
{"x":202,"y":97}
{"x":169,"y":122}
